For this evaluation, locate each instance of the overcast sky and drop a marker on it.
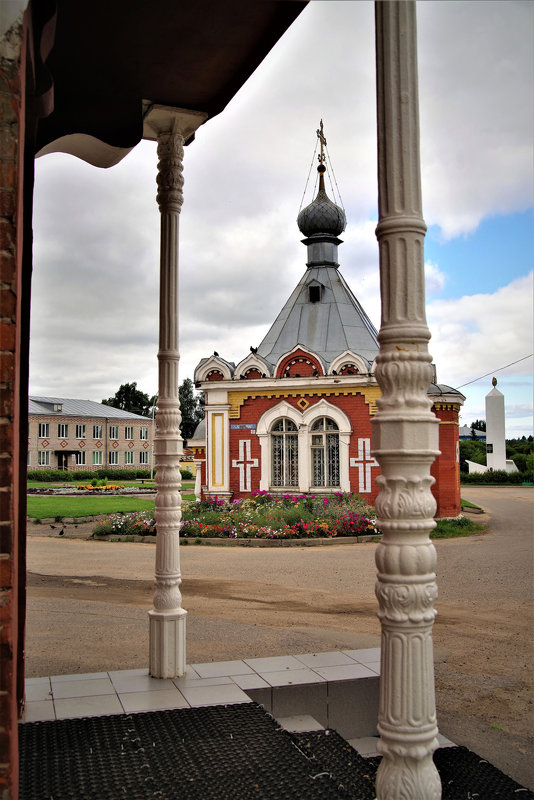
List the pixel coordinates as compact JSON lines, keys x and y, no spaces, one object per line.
{"x":96,"y":232}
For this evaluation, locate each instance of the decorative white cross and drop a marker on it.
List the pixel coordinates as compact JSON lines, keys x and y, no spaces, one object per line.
{"x":244,"y":463}
{"x":364,"y":462}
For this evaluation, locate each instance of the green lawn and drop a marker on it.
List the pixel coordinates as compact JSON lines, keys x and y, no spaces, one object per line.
{"x":66,"y":506}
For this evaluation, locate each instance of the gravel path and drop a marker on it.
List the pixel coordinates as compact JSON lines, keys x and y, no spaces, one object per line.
{"x":88,"y":602}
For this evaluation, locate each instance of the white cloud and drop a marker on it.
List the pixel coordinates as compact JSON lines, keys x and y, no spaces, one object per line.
{"x":96,"y":275}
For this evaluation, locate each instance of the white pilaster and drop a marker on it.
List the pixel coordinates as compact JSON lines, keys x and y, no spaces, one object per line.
{"x":171,"y":127}
{"x":218,"y":449}
{"x":405,"y":432}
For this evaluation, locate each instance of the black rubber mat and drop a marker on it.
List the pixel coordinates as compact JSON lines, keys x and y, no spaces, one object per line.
{"x":220,"y":752}
{"x":464,"y":775}
{"x":235,"y":752}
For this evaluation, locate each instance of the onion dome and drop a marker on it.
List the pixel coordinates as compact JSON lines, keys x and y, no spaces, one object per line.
{"x":322,"y":216}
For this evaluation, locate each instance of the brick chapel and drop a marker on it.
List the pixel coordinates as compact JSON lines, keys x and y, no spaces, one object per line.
{"x":294,"y":415}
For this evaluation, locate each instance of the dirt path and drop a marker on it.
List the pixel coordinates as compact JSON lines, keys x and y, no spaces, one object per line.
{"x":253,"y":602}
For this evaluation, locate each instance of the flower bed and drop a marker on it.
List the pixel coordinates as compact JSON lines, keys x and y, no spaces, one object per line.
{"x":263,"y":516}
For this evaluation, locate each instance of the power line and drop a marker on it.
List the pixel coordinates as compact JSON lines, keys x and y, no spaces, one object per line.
{"x":493,"y":371}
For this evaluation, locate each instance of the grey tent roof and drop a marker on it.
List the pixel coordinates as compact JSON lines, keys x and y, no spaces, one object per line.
{"x":77,"y":408}
{"x":328,"y":327}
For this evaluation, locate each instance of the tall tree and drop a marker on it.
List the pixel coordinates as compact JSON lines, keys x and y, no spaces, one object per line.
{"x":130,"y":398}
{"x":192,"y":411}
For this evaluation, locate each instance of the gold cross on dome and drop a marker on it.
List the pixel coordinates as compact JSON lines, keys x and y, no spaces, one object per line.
{"x":322,"y":139}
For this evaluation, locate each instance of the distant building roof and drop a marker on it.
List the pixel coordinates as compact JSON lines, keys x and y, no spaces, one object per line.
{"x":465,"y":432}
{"x":328,"y":328}
{"x":68,"y":407}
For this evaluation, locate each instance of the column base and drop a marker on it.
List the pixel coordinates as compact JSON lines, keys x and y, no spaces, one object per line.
{"x":167,"y":643}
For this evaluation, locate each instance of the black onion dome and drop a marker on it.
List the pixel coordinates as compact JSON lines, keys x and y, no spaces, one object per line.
{"x":322,"y":216}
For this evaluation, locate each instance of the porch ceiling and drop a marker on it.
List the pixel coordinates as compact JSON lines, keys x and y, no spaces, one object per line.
{"x":106,"y":57}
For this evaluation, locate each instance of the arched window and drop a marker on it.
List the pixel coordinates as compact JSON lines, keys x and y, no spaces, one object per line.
{"x":325,"y":453}
{"x":284,"y":453}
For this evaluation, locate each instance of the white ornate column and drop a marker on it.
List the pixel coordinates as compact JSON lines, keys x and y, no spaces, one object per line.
{"x":171,"y":128}
{"x":405,"y":434}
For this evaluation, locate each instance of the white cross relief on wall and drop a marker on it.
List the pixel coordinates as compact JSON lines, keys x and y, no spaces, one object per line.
{"x":364,"y":462}
{"x":245,"y":463}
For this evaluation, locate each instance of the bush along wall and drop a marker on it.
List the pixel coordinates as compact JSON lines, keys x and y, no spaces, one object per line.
{"x":62,"y":476}
{"x":498,"y":476}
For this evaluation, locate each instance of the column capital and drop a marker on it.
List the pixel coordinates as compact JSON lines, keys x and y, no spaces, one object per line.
{"x":160,"y":119}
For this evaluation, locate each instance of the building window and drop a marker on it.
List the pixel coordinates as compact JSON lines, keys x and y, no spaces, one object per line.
{"x":80,"y":431}
{"x":284,"y":452}
{"x":143,"y":457}
{"x":325,"y":453}
{"x":29,"y":459}
{"x":113,"y":431}
{"x":128,"y":432}
{"x":44,"y":430}
{"x":97,"y":431}
{"x":129,"y":458}
{"x":43,"y":458}
{"x":80,"y":458}
{"x":113,"y":458}
{"x":143,"y":433}
{"x":97,"y":458}
{"x":62,"y":430}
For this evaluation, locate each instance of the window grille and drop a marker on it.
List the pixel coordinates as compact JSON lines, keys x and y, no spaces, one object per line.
{"x":325,"y":453}
{"x":284,"y":453}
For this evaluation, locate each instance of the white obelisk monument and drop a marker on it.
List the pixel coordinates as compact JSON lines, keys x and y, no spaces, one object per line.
{"x":495,"y":430}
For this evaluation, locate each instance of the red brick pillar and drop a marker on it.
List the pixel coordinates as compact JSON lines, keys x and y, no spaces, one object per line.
{"x":446,"y":468}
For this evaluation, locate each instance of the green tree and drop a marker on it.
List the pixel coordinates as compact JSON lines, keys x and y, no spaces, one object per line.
{"x":130,"y":398}
{"x":477,"y":425}
{"x":191,"y":408}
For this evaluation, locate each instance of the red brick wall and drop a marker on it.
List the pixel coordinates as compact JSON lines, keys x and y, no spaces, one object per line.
{"x":11,"y":154}
{"x":445,"y":468}
{"x":353,"y":405}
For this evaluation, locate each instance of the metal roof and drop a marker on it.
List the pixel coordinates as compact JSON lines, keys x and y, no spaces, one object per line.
{"x":328,"y":327}
{"x":77,"y":408}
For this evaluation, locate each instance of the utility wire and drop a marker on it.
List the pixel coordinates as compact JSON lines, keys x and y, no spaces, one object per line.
{"x":495,"y":370}
{"x":309,"y":173}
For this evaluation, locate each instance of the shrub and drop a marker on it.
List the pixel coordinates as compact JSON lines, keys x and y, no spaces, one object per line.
{"x":186,"y":474}
{"x":498,"y":476}
{"x":136,"y":523}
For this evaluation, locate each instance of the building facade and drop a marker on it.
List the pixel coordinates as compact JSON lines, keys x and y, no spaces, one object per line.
{"x":76,"y":435}
{"x":295,"y":415}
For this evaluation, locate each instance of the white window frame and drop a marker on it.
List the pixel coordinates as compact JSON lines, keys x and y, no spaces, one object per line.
{"x":129,"y":433}
{"x":143,"y":458}
{"x":98,"y":431}
{"x":129,"y":458}
{"x":113,"y":458}
{"x":143,"y":433}
{"x":80,"y":430}
{"x":44,"y":430}
{"x":43,"y":458}
{"x":114,"y":432}
{"x":97,"y":458}
{"x":29,"y":461}
{"x":80,"y":458}
{"x":303,"y":422}
{"x":62,"y":430}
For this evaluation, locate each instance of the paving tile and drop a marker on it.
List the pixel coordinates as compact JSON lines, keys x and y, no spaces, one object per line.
{"x":36,"y":681}
{"x":250,"y":681}
{"x":291,"y":677}
{"x":300,"y":723}
{"x":345,"y":672}
{"x":127,"y":673}
{"x":216,"y":669}
{"x":332,"y":659}
{"x":83,"y":688}
{"x":96,"y":706}
{"x":38,"y":691}
{"x":153,"y":701}
{"x":224,"y":679}
{"x":306,"y":699}
{"x":366,"y":745}
{"x":365,"y":655}
{"x":444,"y":742}
{"x":140,"y":683}
{"x":214,"y":695}
{"x":39,"y":711}
{"x":353,"y":707}
{"x":264,"y":697}
{"x":274,"y":664}
{"x":82,"y":676}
